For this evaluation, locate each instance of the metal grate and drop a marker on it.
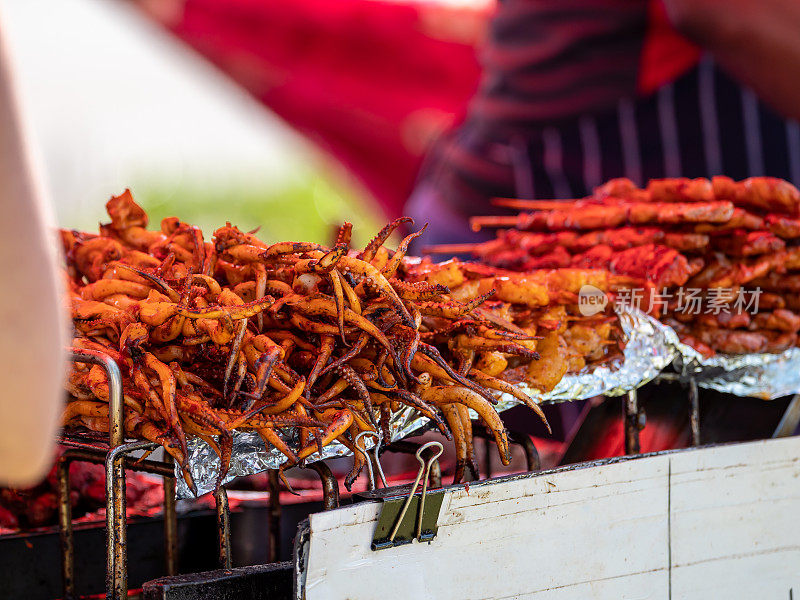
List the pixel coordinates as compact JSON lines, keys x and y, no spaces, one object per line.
{"x":114,"y":452}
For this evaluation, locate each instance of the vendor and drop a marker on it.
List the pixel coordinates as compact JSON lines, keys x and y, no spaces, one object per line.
{"x":576,"y":92}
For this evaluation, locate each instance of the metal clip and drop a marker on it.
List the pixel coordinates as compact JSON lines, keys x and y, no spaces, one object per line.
{"x":425,"y":468}
{"x":375,"y":448}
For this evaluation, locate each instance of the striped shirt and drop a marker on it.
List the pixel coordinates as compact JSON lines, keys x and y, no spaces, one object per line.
{"x":575,"y":93}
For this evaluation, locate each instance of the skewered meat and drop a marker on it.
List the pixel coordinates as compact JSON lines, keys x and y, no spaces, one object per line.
{"x":748,"y":243}
{"x":716,"y":238}
{"x":591,"y":214}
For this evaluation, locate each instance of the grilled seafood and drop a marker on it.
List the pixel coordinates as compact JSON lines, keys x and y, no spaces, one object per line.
{"x":238,"y":334}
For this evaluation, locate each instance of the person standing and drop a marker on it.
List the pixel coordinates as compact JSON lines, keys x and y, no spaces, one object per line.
{"x":576,"y":92}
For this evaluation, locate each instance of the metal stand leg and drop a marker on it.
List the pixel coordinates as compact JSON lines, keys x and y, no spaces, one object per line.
{"x":330,"y":487}
{"x":94,"y":455}
{"x":116,"y":520}
{"x":487,"y":455}
{"x":116,"y":573}
{"x":274,"y":551}
{"x":117,"y":523}
{"x":170,"y":527}
{"x":632,"y":423}
{"x":65,"y":528}
{"x":532,"y":460}
{"x":224,"y":527}
{"x":377,"y":468}
{"x":694,"y":415}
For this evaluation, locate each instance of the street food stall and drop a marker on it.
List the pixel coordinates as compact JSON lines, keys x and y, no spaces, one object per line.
{"x":531,"y":414}
{"x":235,"y":357}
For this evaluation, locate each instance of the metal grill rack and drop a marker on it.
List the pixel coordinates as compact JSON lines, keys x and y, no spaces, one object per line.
{"x":634,"y":416}
{"x":115,"y":454}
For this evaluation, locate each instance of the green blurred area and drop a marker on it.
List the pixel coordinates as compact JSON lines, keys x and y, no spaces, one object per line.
{"x":311,"y":209}
{"x":303,"y":209}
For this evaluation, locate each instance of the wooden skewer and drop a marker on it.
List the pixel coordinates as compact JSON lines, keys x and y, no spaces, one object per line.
{"x":493,"y":221}
{"x":531,"y":204}
{"x":450,"y":248}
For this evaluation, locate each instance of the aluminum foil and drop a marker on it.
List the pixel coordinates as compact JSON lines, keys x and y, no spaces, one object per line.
{"x":765,"y":376}
{"x":250,"y":456}
{"x":649,"y":349}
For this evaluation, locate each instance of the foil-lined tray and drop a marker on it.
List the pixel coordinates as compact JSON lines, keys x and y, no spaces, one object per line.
{"x":649,"y":349}
{"x":765,"y":376}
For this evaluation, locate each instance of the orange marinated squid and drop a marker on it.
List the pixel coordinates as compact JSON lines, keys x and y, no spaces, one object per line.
{"x":235,"y":334}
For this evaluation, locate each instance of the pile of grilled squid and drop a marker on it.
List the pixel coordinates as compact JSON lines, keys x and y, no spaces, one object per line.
{"x":309,"y":345}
